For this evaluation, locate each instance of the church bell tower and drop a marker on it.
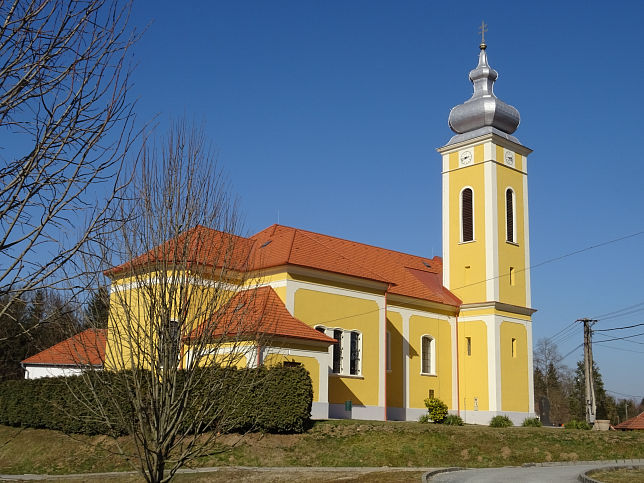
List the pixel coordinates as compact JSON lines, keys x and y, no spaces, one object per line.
{"x":486,"y":256}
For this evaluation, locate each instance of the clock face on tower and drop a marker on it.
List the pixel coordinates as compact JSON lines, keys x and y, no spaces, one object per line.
{"x":466,"y":158}
{"x":509,"y":158}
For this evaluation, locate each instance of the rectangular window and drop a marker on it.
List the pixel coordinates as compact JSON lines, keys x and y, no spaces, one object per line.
{"x":337,"y":351}
{"x":512,"y":276}
{"x":468,"y":341}
{"x":426,"y":355}
{"x":431,"y":394}
{"x":354,"y":366}
{"x":514,"y":347}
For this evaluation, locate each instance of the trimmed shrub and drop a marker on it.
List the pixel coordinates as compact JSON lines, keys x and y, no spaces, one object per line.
{"x":436,"y":409}
{"x":453,"y":420}
{"x":574,"y":424}
{"x":531,"y":422}
{"x":276,"y":400}
{"x":501,"y":422}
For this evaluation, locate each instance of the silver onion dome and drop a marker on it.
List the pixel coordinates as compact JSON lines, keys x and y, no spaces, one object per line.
{"x":483,"y":112}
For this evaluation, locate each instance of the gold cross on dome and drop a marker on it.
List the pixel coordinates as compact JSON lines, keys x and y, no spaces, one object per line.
{"x":482,"y":30}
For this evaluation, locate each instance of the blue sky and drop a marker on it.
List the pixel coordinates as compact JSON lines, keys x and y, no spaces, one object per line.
{"x":328,"y":114}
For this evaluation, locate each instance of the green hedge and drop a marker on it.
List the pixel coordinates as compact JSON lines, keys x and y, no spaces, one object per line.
{"x":275,"y":400}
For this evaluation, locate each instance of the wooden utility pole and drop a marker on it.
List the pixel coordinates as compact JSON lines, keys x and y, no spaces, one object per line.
{"x":588,"y":370}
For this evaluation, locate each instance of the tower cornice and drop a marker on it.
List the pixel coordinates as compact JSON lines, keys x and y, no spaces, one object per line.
{"x":491,"y":136}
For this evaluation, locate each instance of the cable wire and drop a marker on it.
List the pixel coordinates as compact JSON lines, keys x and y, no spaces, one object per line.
{"x":619,"y":328}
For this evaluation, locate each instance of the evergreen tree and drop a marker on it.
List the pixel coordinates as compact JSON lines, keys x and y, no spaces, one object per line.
{"x":606,"y":407}
{"x":12,"y":337}
{"x":34,"y":322}
{"x":98,"y":309}
{"x":551,"y":382}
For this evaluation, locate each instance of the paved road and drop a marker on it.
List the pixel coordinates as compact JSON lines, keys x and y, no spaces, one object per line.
{"x":531,"y":474}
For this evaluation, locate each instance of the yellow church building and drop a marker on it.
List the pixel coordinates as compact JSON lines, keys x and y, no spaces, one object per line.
{"x":380,"y":331}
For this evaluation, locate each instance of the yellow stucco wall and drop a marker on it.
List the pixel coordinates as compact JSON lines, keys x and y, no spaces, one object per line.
{"x":465,"y":282}
{"x":441,"y":382}
{"x":511,"y":254}
{"x":473,"y":369}
{"x":518,"y":158}
{"x":515,"y":395}
{"x":334,"y":311}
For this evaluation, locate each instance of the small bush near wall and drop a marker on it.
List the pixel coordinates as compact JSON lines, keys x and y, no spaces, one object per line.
{"x":531,"y":422}
{"x":437,"y":409}
{"x":574,"y":424}
{"x":453,"y":420}
{"x":277,"y":400}
{"x":501,"y":422}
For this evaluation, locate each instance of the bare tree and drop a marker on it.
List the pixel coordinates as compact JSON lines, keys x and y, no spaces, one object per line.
{"x":552,"y":382}
{"x":546,"y":353}
{"x":66,"y":124}
{"x":184,"y":297}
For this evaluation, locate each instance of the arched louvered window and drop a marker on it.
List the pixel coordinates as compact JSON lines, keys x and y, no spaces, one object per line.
{"x":467,"y":215}
{"x":509,"y":215}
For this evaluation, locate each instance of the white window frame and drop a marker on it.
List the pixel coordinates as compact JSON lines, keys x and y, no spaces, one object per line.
{"x":345,"y":350}
{"x":432,"y":355}
{"x":460,"y":215}
{"x":347,"y":370}
{"x":514,"y":215}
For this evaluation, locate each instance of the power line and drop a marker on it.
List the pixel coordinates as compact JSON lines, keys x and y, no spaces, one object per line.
{"x":624,"y":338}
{"x":556,"y":259}
{"x":618,"y":348}
{"x":580,"y":345}
{"x":619,"y":328}
{"x":622,"y":394}
{"x":567,"y":328}
{"x":608,"y":314}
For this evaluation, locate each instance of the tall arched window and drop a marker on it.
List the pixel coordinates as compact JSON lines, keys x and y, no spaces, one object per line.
{"x":509,"y":215}
{"x":467,"y":215}
{"x":427,"y":355}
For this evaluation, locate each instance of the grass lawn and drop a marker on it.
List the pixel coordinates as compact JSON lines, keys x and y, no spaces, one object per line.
{"x":624,"y":475}
{"x":335,"y":443}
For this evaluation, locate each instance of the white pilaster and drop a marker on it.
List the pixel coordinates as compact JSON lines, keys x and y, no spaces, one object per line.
{"x":446,"y":222}
{"x":382,"y":344}
{"x":452,"y":323}
{"x":493,"y":361}
{"x":491,"y":231}
{"x":526,"y":239}
{"x":530,"y":369}
{"x":405,"y":325}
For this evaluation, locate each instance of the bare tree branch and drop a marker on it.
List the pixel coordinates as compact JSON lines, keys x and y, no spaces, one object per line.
{"x":183,"y":297}
{"x":66,"y":124}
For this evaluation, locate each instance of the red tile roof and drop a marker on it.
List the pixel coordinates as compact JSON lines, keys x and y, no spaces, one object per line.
{"x":257,"y":313}
{"x":198,"y":246}
{"x":409,"y":275}
{"x":634,"y":423}
{"x":278,"y":245}
{"x":85,"y":348}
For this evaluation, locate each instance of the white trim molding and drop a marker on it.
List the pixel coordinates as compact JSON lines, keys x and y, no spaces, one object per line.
{"x":491,"y":232}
